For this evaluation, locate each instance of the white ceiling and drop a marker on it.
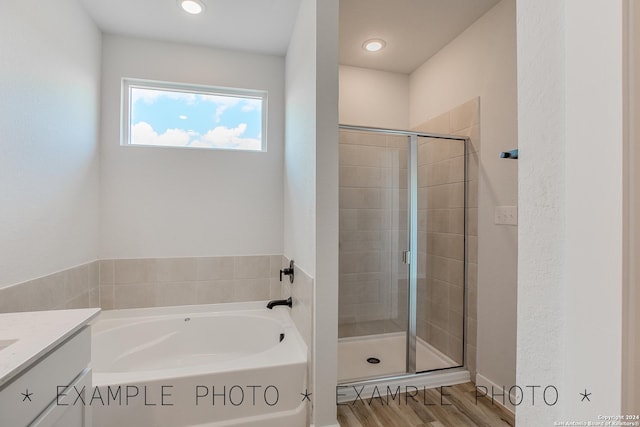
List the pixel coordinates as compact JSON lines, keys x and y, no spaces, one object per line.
{"x":251,"y":25}
{"x":413,"y":29}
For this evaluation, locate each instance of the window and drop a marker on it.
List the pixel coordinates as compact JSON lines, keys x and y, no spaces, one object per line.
{"x":180,"y":115}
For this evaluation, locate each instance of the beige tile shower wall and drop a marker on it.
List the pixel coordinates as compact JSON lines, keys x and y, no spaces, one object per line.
{"x":441,"y":233}
{"x":76,"y":287}
{"x":134,"y":283}
{"x":373,"y":198}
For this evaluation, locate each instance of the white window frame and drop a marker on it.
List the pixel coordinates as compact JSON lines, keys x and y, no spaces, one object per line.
{"x":125,"y":106}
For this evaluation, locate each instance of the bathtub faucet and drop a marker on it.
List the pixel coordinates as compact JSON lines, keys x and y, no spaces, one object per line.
{"x":275,"y":302}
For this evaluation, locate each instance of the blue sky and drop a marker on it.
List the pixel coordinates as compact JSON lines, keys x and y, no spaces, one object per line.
{"x":172,"y":118}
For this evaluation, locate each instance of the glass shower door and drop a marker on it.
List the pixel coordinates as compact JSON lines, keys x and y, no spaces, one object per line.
{"x":374,"y":233}
{"x":402,"y":253}
{"x":441,"y":222}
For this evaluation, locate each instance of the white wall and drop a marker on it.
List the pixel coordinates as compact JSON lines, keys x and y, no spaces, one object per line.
{"x":374,"y":98}
{"x":570,"y":186}
{"x":311,"y":183}
{"x":594,"y":201}
{"x":326,"y":289}
{"x":631,"y":340}
{"x":300,"y":147}
{"x":482,"y":62}
{"x":170,"y":202}
{"x":541,"y":217}
{"x":49,"y":87}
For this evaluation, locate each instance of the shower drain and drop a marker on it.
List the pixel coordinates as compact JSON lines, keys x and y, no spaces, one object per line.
{"x":373,"y":360}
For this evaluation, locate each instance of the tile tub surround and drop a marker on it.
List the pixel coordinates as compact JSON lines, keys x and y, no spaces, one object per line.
{"x":151,"y":282}
{"x":136,"y":283}
{"x":76,"y":287}
{"x":440,"y":283}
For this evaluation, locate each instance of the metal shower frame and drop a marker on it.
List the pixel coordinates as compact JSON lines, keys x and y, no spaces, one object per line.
{"x":411,"y":346}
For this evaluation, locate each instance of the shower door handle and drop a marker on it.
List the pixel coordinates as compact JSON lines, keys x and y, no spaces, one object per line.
{"x":406,"y":257}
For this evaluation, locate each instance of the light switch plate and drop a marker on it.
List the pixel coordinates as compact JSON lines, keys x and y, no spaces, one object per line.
{"x":506,"y":215}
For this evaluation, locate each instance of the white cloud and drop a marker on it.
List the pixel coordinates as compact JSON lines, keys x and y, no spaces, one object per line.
{"x":222,"y":104}
{"x":150,"y":96}
{"x":219,"y":99}
{"x":251,"y":105}
{"x":143,"y":134}
{"x":224,"y":137}
{"x":220,"y":137}
{"x":219,"y":111}
{"x":183,"y":117}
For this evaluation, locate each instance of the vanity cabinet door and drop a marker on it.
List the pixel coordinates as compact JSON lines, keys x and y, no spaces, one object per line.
{"x":61,"y":366}
{"x":63,"y":412}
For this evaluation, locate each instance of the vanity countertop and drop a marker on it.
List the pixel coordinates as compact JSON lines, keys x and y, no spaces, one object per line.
{"x":26,"y":337}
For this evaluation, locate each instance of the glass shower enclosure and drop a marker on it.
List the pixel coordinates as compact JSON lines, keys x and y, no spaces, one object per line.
{"x":402,"y":253}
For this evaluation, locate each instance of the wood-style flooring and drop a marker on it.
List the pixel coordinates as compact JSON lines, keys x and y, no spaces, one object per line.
{"x":454,"y":407}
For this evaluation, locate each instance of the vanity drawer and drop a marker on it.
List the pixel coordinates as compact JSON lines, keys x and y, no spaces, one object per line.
{"x":68,"y":410}
{"x":44,"y":380}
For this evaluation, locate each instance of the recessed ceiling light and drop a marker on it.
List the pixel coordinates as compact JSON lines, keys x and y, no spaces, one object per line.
{"x":374,"y":45}
{"x":193,"y":7}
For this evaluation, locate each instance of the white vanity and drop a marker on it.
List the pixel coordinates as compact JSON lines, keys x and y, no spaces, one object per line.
{"x":45,"y":373}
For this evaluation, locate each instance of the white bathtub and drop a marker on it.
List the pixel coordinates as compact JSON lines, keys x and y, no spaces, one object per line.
{"x":206,"y":365}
